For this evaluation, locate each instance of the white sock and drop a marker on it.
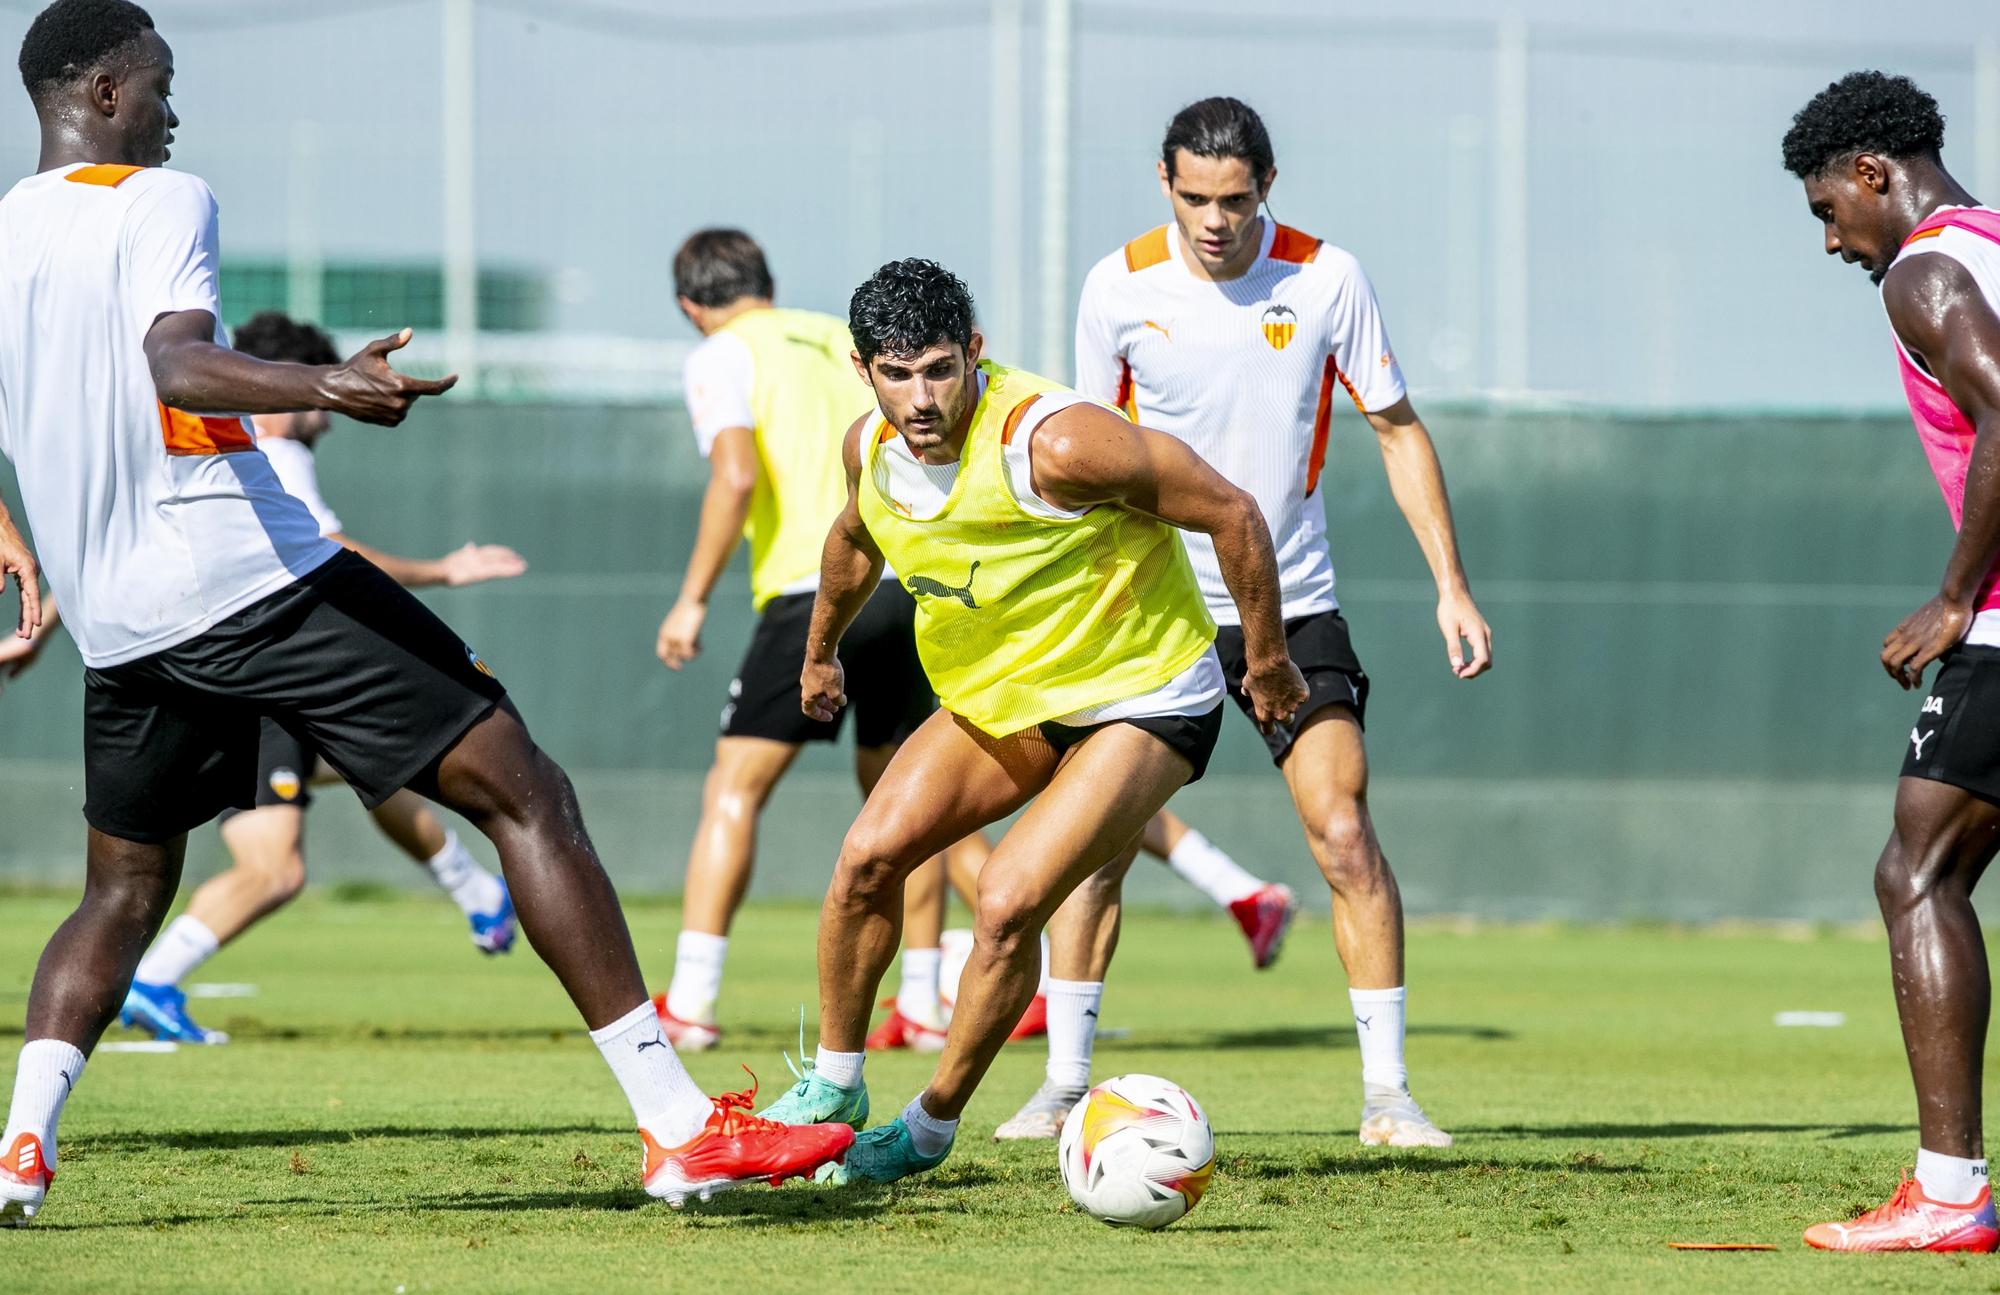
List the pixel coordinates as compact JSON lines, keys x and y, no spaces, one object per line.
{"x":665,"y":1099}
{"x":43,"y":1081}
{"x":1204,"y":865}
{"x":928,"y":1134}
{"x":1072,"y":1030}
{"x":842,"y":1069}
{"x":917,"y":996}
{"x":471,"y":887}
{"x":1949,"y":1180}
{"x":1042,"y":985}
{"x":182,"y":947}
{"x":697,"y":981}
{"x":1378,"y":1023}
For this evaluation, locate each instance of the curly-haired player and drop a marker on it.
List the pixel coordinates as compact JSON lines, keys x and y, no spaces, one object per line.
{"x":1867,"y":148}
{"x":1060,"y":623}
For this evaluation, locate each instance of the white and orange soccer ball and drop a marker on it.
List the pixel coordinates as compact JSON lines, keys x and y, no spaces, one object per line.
{"x":1136,"y":1152}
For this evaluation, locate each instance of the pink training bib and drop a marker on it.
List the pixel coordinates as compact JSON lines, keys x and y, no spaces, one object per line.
{"x":1946,"y":433}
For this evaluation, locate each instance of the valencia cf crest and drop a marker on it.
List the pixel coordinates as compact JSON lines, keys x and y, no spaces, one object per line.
{"x":286,"y":784}
{"x":1279,"y":325}
{"x":477,"y":664}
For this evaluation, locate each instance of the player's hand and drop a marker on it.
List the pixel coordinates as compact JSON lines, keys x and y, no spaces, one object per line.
{"x":1925,"y":635}
{"x":822,"y":689}
{"x":680,"y":634}
{"x":1276,"y":690}
{"x":1467,"y":639}
{"x":478,"y":562}
{"x":368,"y":390}
{"x":18,"y":561}
{"x":17,"y":654}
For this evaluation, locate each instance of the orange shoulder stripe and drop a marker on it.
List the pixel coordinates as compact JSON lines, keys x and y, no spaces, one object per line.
{"x":1289,"y":244}
{"x":107,"y":174}
{"x":1147,"y":249}
{"x":1014,"y":416}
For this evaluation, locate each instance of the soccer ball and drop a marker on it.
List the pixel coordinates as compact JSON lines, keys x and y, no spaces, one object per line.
{"x":1136,"y":1152}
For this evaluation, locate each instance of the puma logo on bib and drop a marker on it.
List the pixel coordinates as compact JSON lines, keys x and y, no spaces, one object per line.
{"x":925,"y":587}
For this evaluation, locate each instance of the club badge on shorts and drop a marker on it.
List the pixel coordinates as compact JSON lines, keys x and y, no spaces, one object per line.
{"x":286,"y":783}
{"x":1279,"y":326}
{"x":479,"y":665}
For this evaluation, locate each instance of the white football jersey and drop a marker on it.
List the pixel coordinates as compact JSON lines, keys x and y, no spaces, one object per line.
{"x":1245,"y":372}
{"x":152,"y":524}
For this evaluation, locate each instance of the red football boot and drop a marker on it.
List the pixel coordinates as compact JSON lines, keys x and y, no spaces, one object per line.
{"x":24,"y":1180}
{"x":736,"y":1148}
{"x":1913,"y":1221}
{"x":900,"y":1031}
{"x":1266,"y":915}
{"x":686,"y":1036}
{"x":1033,"y":1022}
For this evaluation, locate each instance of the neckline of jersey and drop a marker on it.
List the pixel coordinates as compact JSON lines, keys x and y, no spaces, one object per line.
{"x":1179,"y":252}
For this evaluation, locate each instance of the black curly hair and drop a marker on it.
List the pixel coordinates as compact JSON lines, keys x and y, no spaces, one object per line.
{"x":274,"y":335}
{"x":1863,"y":112}
{"x":73,"y":37}
{"x":907,"y":306}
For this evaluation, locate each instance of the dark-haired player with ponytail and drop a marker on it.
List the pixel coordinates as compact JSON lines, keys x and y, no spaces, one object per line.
{"x":1239,"y":336}
{"x":1867,"y":150}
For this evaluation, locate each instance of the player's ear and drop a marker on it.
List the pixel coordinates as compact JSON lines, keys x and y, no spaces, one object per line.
{"x":1166,"y":180}
{"x":973,"y":349}
{"x":104,"y":94}
{"x":1264,"y":189}
{"x":861,"y":368}
{"x":1872,"y":172}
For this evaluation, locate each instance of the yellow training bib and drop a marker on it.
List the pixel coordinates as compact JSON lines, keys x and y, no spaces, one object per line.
{"x":804,"y":395}
{"x":1021,"y":617}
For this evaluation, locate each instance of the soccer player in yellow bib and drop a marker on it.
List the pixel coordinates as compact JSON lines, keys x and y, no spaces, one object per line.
{"x":1061,"y":625}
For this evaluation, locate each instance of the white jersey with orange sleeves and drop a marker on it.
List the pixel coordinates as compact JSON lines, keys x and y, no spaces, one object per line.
{"x":150,"y":523}
{"x":1246,"y":372}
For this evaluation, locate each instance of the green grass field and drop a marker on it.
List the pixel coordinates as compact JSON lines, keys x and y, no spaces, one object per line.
{"x":397,"y":1114}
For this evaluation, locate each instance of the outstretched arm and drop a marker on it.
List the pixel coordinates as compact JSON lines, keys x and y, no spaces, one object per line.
{"x":1943,"y":318}
{"x":1417,"y":481}
{"x":192,"y":372}
{"x":850,"y":566}
{"x":732,"y":480}
{"x":470,"y":564}
{"x":1085,"y":455}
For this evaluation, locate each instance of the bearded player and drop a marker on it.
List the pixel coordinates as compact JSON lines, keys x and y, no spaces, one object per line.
{"x":1232,"y":332}
{"x":203,"y":598}
{"x":1867,"y":149}
{"x":1062,"y":628}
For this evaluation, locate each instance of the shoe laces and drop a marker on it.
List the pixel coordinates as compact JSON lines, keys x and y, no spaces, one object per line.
{"x":734,"y":1111}
{"x":802,"y":1068}
{"x":1895,"y":1205}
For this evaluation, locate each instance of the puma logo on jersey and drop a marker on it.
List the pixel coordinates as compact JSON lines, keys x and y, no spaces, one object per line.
{"x":925,"y":587}
{"x":1933,"y":706}
{"x":1280,"y":324}
{"x":1161,"y":329}
{"x":1918,"y":742}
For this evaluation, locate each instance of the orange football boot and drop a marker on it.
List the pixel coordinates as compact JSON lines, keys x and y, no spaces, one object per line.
{"x":736,"y":1148}
{"x":24,"y":1180}
{"x":1913,"y":1221}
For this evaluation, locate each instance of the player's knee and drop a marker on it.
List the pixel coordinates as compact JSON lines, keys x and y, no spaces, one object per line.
{"x":1908,"y":873}
{"x":1007,"y":919}
{"x":285,"y":878}
{"x":1345,"y":846}
{"x":873,"y":862}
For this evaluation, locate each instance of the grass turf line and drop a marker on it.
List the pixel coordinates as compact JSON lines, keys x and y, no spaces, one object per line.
{"x":398,"y":1112}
